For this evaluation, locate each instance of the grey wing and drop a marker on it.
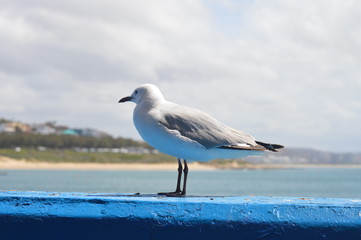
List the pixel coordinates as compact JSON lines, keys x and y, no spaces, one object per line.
{"x":202,"y":128}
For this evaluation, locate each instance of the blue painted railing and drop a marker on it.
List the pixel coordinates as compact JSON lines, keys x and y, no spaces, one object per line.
{"x":44,"y":215}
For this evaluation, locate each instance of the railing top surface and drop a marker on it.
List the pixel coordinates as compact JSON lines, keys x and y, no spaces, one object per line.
{"x":189,"y":199}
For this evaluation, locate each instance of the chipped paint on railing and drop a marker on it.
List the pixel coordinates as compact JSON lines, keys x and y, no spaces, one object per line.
{"x":44,"y":215}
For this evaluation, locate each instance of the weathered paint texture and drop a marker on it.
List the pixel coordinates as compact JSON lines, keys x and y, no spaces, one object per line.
{"x":44,"y":215}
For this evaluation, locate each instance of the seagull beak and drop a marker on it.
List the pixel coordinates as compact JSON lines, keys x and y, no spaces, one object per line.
{"x":125,"y":99}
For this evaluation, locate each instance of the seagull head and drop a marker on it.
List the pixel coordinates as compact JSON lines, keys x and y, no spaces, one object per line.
{"x":145,"y":93}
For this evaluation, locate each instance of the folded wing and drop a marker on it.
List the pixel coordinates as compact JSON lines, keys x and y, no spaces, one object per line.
{"x":204,"y":129}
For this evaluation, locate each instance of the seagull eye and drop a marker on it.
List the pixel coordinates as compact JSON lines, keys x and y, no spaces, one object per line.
{"x":135,"y":91}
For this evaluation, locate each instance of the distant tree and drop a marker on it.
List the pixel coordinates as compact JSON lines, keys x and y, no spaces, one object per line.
{"x":3,"y":120}
{"x":65,"y":141}
{"x":51,"y":124}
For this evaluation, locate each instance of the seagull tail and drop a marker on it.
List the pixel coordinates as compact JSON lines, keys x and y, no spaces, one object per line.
{"x":269,"y":146}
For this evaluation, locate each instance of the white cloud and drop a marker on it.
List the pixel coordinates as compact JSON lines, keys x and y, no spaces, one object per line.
{"x":284,"y":71}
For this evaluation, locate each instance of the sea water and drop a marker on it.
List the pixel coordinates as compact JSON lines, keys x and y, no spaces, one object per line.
{"x":303,"y":182}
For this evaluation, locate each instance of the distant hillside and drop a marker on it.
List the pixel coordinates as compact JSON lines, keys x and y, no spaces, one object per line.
{"x":47,"y":128}
{"x":308,"y":156}
{"x":53,"y":136}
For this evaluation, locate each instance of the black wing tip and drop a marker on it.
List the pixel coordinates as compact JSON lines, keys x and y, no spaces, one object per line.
{"x":249,"y":148}
{"x":269,"y":146}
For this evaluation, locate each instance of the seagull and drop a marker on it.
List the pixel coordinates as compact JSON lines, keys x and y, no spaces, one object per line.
{"x":187,"y":134}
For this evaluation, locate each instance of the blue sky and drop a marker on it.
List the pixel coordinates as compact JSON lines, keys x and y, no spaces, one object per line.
{"x":284,"y":71}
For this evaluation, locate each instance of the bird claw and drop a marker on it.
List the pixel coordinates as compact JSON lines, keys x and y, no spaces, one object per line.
{"x":173,"y":194}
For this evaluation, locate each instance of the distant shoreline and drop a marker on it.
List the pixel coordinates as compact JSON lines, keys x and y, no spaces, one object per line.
{"x":14,"y":164}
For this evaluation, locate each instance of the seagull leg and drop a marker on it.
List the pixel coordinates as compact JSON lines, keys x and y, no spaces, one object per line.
{"x":178,"y":189}
{"x":183,"y":192}
{"x":180,"y":169}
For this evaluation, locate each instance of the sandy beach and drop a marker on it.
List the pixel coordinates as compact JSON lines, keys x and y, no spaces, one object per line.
{"x":9,"y":163}
{"x":14,"y":164}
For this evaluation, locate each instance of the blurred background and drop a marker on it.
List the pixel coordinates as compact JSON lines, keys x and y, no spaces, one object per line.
{"x":287,"y":72}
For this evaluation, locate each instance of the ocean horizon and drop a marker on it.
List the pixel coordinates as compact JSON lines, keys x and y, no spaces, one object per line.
{"x":299,"y":182}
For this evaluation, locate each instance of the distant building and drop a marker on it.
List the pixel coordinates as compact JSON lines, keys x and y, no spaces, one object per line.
{"x":48,"y":128}
{"x":6,"y":128}
{"x":70,"y":132}
{"x":43,"y":129}
{"x":12,"y":127}
{"x":60,"y":129}
{"x":88,"y":132}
